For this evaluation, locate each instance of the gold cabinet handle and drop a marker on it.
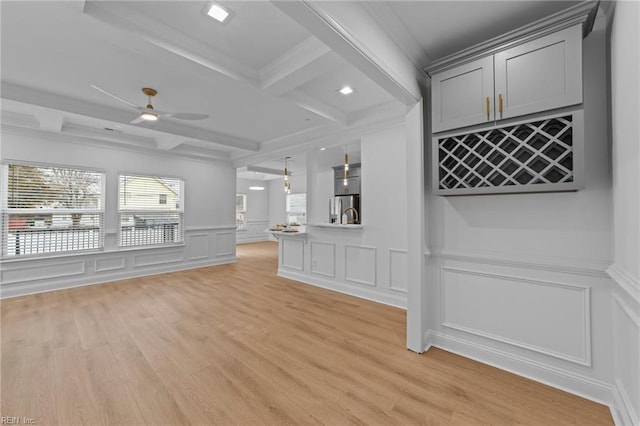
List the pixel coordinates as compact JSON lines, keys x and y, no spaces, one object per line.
{"x":500,"y":104}
{"x":488,"y":109}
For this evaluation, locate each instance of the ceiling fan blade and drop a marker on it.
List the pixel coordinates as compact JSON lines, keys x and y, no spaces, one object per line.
{"x":137,"y":120}
{"x":187,"y":116}
{"x":117,"y":98}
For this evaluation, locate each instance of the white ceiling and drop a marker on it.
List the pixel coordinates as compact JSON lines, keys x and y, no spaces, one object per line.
{"x":264,"y":80}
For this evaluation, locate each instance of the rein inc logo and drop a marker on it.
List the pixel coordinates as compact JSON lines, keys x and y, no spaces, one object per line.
{"x":6,"y":420}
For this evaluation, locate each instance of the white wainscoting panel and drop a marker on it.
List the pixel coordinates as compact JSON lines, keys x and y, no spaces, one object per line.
{"x":110,"y":264}
{"x":159,"y":258}
{"x":292,"y":253}
{"x":360,"y":264}
{"x":225,"y":243}
{"x":48,"y":271}
{"x":323,"y":259}
{"x":546,"y":317}
{"x":398,"y":270}
{"x":626,"y":329}
{"x":198,"y":246}
{"x":255,"y":229}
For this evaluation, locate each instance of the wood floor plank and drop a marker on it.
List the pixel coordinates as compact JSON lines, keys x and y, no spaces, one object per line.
{"x":237,"y":345}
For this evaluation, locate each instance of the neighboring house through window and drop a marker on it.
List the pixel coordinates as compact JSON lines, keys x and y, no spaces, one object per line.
{"x":296,"y":208}
{"x":51,"y":209}
{"x":241,"y":209}
{"x":150,"y":210}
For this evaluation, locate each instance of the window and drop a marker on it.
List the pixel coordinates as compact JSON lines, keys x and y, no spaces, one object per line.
{"x":241,"y":209}
{"x":150,"y":209}
{"x":296,"y":209}
{"x":51,"y":209}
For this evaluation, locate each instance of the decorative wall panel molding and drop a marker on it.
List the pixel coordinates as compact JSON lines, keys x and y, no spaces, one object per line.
{"x":627,"y":309}
{"x":625,"y":281}
{"x":198,"y":246}
{"x":292,"y":253}
{"x":27,"y":272}
{"x":543,"y":372}
{"x":398,"y":270}
{"x":110,"y":264}
{"x":588,"y":267}
{"x":225,"y":243}
{"x":323,"y":259}
{"x":543,"y":316}
{"x":538,"y":155}
{"x":159,"y":258}
{"x":360,"y":264}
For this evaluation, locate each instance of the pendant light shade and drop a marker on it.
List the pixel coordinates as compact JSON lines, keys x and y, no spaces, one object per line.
{"x":346,"y":168}
{"x":287,"y":183}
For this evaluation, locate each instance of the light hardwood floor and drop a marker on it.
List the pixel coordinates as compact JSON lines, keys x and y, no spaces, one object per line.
{"x":235,"y":344}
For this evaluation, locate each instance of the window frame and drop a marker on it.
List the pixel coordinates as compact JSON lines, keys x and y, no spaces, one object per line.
{"x":287,"y":212}
{"x":242,"y":213}
{"x":179,"y":241}
{"x":6,"y":211}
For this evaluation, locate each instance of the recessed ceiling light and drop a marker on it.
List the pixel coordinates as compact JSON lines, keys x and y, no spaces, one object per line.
{"x":256,"y":188}
{"x":324,"y":148}
{"x":346,"y":90}
{"x":218,"y":12}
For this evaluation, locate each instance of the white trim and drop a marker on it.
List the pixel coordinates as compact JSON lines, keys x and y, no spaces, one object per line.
{"x":625,"y":281}
{"x":333,"y":246}
{"x":208,"y":228}
{"x":42,"y":287}
{"x":627,"y":309}
{"x":558,"y":378}
{"x":578,"y":14}
{"x":391,"y":286}
{"x":586,"y":295}
{"x":374,"y":266}
{"x":624,"y":412}
{"x":588,"y":267}
{"x":363,"y":293}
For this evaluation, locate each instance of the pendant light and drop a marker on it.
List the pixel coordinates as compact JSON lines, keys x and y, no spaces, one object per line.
{"x":287,"y":183}
{"x":346,"y":167}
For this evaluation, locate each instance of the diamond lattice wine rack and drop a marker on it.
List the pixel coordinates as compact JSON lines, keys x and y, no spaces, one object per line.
{"x":538,"y":155}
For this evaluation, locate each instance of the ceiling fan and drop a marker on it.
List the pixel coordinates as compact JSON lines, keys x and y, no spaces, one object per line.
{"x":149,"y":113}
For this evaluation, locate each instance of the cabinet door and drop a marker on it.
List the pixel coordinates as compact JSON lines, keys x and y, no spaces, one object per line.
{"x":459,"y":95}
{"x":543,"y":74}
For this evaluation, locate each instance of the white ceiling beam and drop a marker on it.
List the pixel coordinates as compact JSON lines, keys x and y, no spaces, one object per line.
{"x":348,"y":29}
{"x":63,"y":103}
{"x":49,"y":119}
{"x":170,"y":39}
{"x":304,"y":62}
{"x":317,"y":107}
{"x":266,"y":170}
{"x":168,"y":142}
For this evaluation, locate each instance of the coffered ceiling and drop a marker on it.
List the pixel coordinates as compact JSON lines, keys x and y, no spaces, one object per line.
{"x":268,"y":84}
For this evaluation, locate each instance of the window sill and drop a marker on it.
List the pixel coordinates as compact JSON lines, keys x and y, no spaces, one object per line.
{"x":27,"y":258}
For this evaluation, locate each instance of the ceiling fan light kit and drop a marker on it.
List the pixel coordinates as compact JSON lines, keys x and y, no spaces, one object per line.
{"x":149,"y":113}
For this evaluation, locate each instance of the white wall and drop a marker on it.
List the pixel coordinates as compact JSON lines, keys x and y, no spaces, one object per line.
{"x":625,"y":105}
{"x":518,"y":280}
{"x":209,"y":220}
{"x":370,"y":262}
{"x":257,"y":215}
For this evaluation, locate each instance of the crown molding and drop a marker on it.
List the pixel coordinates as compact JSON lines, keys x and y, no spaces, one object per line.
{"x":583,"y":13}
{"x":62,"y":103}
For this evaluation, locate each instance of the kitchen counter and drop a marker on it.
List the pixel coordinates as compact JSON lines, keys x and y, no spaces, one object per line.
{"x":337,"y":225}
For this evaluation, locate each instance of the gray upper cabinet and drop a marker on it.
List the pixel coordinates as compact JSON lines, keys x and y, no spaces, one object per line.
{"x":460,"y":95}
{"x":542,"y":74}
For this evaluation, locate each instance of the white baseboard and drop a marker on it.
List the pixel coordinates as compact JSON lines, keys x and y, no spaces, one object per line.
{"x":594,"y":390}
{"x":24,"y":289}
{"x":624,"y":414}
{"x":398,"y":301}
